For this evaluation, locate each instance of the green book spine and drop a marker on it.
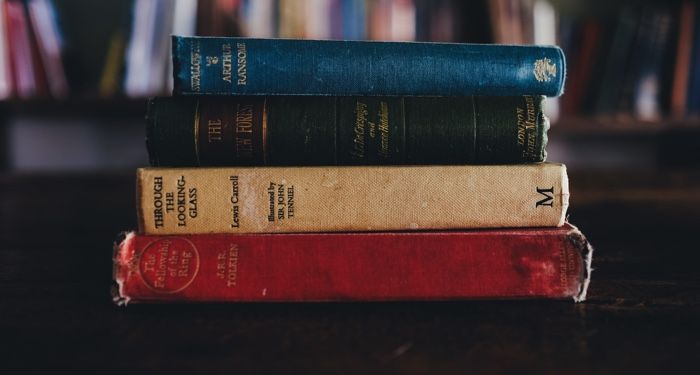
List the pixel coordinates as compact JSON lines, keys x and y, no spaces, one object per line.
{"x":309,"y":130}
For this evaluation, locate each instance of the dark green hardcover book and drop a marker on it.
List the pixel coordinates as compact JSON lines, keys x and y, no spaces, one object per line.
{"x":309,"y":130}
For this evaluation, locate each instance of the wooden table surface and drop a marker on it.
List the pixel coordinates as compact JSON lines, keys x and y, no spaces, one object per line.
{"x":643,"y":312}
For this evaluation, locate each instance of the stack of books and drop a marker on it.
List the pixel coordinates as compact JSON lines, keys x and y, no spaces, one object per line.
{"x":298,"y":170}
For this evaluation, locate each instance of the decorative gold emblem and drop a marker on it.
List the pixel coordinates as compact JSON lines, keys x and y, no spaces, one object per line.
{"x":212,"y":60}
{"x":544,"y":70}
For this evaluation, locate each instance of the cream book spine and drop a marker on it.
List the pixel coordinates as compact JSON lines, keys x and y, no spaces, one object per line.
{"x":357,"y":198}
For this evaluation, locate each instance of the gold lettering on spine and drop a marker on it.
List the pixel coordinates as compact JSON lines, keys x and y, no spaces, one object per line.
{"x":226,"y":58}
{"x":242,"y":60}
{"x":162,"y":265}
{"x":195,"y":66}
{"x":214,"y":131}
{"x":527,"y":127}
{"x":531,"y":125}
{"x":227,"y":266}
{"x":358,"y":148}
{"x":232,"y":277}
{"x":520,"y":114}
{"x":384,"y":129}
{"x":563,"y":268}
{"x":244,"y":131}
{"x":169,"y":265}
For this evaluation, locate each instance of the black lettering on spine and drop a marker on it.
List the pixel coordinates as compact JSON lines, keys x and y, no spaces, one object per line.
{"x":193,"y":203}
{"x":548,"y":199}
{"x":235,"y":209}
{"x":271,"y":196}
{"x":290,"y":201}
{"x":169,"y":201}
{"x":181,"y":202}
{"x":280,"y":202}
{"x":158,"y":202}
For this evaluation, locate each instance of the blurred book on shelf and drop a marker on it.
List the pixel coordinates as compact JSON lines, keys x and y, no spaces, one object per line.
{"x":146,"y":53}
{"x":24,"y":78}
{"x":51,"y":49}
{"x":5,"y":63}
{"x":634,"y":63}
{"x":693,"y":93}
{"x":42,"y":16}
{"x":632,"y":67}
{"x":627,"y":61}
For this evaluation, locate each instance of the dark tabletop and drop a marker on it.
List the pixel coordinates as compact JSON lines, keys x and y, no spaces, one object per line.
{"x":643,"y":312}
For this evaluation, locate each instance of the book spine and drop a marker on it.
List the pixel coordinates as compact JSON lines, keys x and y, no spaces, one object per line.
{"x":693,"y":103}
{"x":329,"y":199}
{"x":21,"y":62}
{"x":681,"y":76}
{"x":243,"y":66}
{"x":652,"y":81}
{"x":531,"y":263}
{"x":6,"y":84}
{"x":622,"y":62}
{"x":580,"y":76}
{"x":303,"y":130}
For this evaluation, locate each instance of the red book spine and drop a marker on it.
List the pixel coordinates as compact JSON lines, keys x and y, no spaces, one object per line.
{"x":20,"y":50}
{"x":525,"y":263}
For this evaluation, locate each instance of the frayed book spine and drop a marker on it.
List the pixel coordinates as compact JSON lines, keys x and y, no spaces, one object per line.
{"x":543,"y":263}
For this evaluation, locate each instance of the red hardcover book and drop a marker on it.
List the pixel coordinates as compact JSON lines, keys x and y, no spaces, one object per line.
{"x":513,"y":263}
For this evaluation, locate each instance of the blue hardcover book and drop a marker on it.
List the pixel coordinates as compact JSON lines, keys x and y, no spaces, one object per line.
{"x":245,"y":66}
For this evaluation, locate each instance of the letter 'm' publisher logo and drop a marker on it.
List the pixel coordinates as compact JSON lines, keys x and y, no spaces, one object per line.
{"x":547,"y":197}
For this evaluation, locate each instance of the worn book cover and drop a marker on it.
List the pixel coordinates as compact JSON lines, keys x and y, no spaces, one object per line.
{"x":515,"y":263}
{"x":360,"y":198}
{"x":247,"y":66}
{"x":362,"y":130}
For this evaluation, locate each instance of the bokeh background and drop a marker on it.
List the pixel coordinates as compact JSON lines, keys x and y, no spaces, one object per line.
{"x":74,"y":78}
{"x":74,"y":74}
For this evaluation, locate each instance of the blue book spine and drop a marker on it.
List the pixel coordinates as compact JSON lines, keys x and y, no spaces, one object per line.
{"x":353,"y":19}
{"x":693,"y":101}
{"x":245,"y":66}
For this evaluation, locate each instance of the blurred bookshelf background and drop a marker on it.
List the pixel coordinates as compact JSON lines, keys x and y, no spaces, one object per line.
{"x":74,"y":74}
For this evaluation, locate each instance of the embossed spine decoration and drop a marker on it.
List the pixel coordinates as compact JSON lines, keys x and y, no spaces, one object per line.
{"x":243,"y":66}
{"x":305,"y":130}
